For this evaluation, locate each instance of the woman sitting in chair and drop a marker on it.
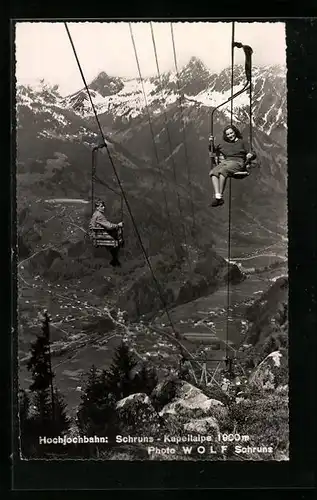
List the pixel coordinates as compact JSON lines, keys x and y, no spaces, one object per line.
{"x":99,"y":221}
{"x":236,"y":158}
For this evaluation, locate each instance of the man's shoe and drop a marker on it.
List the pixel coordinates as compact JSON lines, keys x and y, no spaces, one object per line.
{"x":115,"y":263}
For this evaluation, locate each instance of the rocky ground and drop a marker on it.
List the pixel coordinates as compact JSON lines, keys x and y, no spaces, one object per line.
{"x":180,"y":421}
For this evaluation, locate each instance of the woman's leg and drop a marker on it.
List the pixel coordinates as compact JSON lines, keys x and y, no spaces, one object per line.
{"x":216,"y":186}
{"x":218,"y":200}
{"x":222,"y":183}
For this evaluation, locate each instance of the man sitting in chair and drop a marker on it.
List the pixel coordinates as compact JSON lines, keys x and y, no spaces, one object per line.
{"x":99,"y":221}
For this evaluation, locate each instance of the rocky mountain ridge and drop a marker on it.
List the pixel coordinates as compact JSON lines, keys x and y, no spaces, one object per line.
{"x":196,"y":85}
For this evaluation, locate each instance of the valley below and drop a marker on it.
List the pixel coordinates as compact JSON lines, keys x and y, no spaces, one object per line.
{"x":85,"y":332}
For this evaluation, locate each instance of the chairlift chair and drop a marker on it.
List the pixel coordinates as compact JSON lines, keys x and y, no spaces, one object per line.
{"x":102,"y":238}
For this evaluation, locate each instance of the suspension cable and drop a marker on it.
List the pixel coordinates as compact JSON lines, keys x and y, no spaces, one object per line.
{"x":106,"y":185}
{"x":153,"y":139}
{"x":165,"y":116}
{"x":247,"y":86}
{"x":121,"y":188}
{"x":184,"y":131}
{"x":170,"y":147}
{"x":229,"y":205}
{"x":94,"y":178}
{"x":232,"y":72}
{"x":103,"y":183}
{"x":250,"y":106}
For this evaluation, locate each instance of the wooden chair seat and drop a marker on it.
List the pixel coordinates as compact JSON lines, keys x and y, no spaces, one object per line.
{"x":102,"y":238}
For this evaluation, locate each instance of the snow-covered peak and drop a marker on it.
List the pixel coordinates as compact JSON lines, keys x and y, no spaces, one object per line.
{"x":199,"y":86}
{"x":106,"y":85}
{"x":50,"y":118}
{"x":195,"y":65}
{"x":39,"y":90}
{"x":125,"y":99}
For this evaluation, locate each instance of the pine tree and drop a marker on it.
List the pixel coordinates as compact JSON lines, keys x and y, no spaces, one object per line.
{"x":42,"y":413}
{"x":26,"y":434}
{"x":24,"y":408}
{"x":145,"y":380}
{"x":97,"y":411}
{"x":48,"y":415}
{"x":120,"y":375}
{"x":40,"y":362}
{"x":39,"y":365}
{"x":61,"y":423}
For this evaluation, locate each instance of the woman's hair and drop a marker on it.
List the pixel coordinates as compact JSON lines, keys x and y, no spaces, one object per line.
{"x":236,"y":131}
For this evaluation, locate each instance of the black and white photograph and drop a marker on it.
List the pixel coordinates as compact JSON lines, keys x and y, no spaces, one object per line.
{"x":152,"y":240}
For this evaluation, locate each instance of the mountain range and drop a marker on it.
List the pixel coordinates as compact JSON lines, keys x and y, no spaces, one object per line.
{"x":56,"y":133}
{"x":124,"y":98}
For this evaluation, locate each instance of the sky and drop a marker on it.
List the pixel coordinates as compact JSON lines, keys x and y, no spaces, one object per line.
{"x":43,"y":49}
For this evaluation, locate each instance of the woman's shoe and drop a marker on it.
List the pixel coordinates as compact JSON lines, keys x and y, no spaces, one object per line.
{"x":216,"y":202}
